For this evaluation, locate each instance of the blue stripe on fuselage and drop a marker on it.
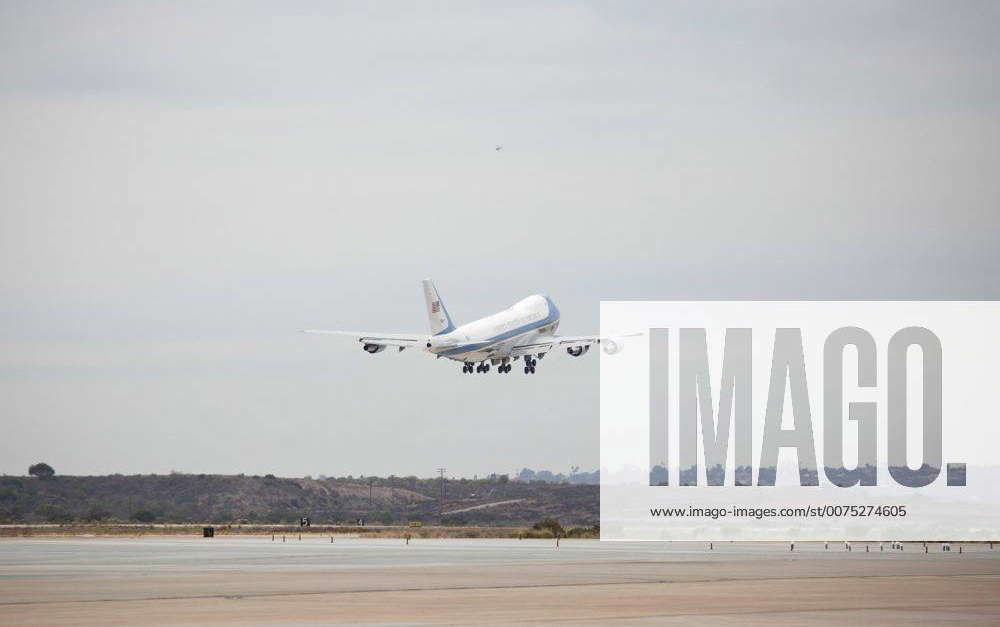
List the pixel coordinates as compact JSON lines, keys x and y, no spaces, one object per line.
{"x":506,"y":335}
{"x":448,"y":329}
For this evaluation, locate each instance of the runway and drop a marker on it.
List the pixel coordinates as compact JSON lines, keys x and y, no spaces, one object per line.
{"x":253,"y":580}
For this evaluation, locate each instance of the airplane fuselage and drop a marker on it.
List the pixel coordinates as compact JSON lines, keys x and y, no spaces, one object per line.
{"x":493,"y":337}
{"x":526,"y":330}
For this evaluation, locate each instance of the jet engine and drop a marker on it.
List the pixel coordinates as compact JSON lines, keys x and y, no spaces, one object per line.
{"x":610,"y":346}
{"x":374,"y":348}
{"x":576,"y":351}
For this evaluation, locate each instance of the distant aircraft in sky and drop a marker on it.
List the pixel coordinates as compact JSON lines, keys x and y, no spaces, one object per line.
{"x":525,"y":329}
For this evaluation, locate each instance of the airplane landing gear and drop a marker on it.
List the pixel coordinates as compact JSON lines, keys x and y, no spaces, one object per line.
{"x":529,"y":364}
{"x":503,"y":368}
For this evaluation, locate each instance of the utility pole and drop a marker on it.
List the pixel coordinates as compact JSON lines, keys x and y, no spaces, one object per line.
{"x":441,"y":472}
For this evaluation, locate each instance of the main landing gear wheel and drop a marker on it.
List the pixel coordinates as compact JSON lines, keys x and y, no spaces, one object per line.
{"x":529,"y":365}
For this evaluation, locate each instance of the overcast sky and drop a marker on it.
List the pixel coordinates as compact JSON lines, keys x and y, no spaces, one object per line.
{"x":183,"y":187}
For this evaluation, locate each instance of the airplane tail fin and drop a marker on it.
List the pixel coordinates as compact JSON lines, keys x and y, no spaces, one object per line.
{"x":437,"y":315}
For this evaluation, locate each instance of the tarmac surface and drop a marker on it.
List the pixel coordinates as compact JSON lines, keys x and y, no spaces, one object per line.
{"x":253,"y":580}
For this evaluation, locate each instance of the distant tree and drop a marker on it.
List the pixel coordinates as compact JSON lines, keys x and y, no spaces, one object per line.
{"x":526,"y":474}
{"x":547,"y":475}
{"x":54,"y":514}
{"x":41,"y":470}
{"x":550,"y":524}
{"x":144,"y":516}
{"x":659,"y":475}
{"x":454,"y":520}
{"x":97,"y":514}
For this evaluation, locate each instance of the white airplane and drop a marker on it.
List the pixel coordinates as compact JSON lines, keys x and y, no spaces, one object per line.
{"x":525,"y":329}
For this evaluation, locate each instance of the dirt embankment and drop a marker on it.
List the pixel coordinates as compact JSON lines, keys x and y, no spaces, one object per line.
{"x":256,"y":500}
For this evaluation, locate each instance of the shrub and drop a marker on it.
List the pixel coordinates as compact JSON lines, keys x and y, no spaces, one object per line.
{"x":144,"y":516}
{"x":97,"y":514}
{"x":551,"y":525}
{"x":54,"y":514}
{"x":593,"y":531}
{"x":41,"y":470}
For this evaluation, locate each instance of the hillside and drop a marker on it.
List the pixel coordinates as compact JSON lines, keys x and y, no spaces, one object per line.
{"x":183,"y":498}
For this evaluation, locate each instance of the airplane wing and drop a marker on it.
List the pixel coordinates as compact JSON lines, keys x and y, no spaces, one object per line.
{"x":400,"y":340}
{"x":575,"y":345}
